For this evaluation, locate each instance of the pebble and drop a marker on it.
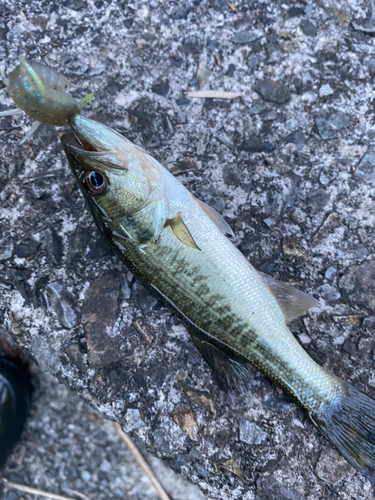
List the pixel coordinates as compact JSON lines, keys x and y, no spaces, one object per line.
{"x":11,"y":495}
{"x":332,"y":467}
{"x":27,"y":248}
{"x":161,"y":88}
{"x":329,"y":127}
{"x":308,"y":28}
{"x":371,"y":66}
{"x":329,"y":293}
{"x":137,"y":61}
{"x":325,"y":90}
{"x":268,"y":488}
{"x":359,"y":284}
{"x":297,"y":137}
{"x":183,"y":166}
{"x":75,"y":357}
{"x":99,"y":313}
{"x":257,"y":107}
{"x":272,"y":91}
{"x":191,"y":45}
{"x":255,"y":145}
{"x":133,"y":420}
{"x":182,"y":101}
{"x":293,"y":247}
{"x":6,"y":251}
{"x":181,"y":11}
{"x":128,"y":23}
{"x":349,"y":347}
{"x":54,"y":246}
{"x":295,"y":12}
{"x":250,"y":433}
{"x":230,"y":70}
{"x":63,"y":302}
{"x":366,"y":167}
{"x":245,"y":37}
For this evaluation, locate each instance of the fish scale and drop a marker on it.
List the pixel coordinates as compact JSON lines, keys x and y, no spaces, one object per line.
{"x":236,"y":307}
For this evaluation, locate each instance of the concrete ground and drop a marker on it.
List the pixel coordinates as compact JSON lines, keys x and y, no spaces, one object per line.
{"x":291,"y":167}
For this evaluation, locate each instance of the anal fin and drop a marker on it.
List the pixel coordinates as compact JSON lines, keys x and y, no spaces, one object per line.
{"x":230,"y":372}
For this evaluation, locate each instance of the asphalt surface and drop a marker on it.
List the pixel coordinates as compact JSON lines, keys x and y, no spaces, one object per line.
{"x":290,"y":165}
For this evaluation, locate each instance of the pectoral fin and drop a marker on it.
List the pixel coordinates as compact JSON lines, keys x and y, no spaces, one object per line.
{"x":182,"y":232}
{"x":216,"y":218}
{"x":293,"y":302}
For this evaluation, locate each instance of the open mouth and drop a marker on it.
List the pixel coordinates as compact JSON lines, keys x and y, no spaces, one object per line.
{"x":77,"y":145}
{"x":90,"y":140}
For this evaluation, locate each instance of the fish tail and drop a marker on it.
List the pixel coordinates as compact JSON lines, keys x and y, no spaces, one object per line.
{"x":348,"y":422}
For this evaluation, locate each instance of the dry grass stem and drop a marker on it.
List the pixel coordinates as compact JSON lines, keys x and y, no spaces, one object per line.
{"x":213,"y":94}
{"x":141,"y":462}
{"x":34,"y":491}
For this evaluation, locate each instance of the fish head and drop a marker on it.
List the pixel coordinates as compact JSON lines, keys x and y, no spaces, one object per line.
{"x":110,"y":170}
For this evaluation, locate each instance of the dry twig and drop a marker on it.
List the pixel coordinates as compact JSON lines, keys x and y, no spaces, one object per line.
{"x":213,"y":94}
{"x":34,"y":491}
{"x":141,"y":462}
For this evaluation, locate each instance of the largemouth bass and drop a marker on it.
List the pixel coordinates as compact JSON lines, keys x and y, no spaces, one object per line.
{"x":177,"y":246}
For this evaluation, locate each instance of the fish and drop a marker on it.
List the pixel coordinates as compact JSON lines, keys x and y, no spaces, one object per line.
{"x":180,"y":250}
{"x":39,"y":91}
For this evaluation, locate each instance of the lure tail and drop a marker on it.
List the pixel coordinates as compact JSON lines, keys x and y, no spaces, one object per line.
{"x":348,"y":422}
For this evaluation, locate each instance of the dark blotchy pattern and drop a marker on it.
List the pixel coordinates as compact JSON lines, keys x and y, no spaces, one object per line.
{"x":303,"y":212}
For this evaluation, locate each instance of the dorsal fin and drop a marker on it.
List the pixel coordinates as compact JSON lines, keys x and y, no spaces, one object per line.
{"x":293,"y":302}
{"x":182,"y":232}
{"x":215,"y":217}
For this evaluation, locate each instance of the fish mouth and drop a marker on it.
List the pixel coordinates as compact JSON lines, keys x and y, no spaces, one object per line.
{"x":74,"y":144}
{"x":91,"y":140}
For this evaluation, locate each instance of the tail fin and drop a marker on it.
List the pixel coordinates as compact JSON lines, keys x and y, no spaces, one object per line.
{"x":348,"y":422}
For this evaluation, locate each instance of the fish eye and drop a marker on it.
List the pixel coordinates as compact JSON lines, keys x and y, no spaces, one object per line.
{"x":95,"y":182}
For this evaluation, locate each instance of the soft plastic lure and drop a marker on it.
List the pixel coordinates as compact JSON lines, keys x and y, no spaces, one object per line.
{"x":40,"y":92}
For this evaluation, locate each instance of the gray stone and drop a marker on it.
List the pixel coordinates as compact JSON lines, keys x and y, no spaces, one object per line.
{"x":359,"y":285}
{"x":256,"y":145}
{"x":245,"y":37}
{"x":250,"y":433}
{"x":99,"y":314}
{"x":329,"y":127}
{"x":325,"y":90}
{"x":308,"y":28}
{"x":133,"y":420}
{"x":26,"y":248}
{"x":161,"y":88}
{"x":268,"y":488}
{"x":272,"y":91}
{"x":63,"y":302}
{"x":366,"y":167}
{"x":332,"y":467}
{"x":6,"y":252}
{"x":297,"y":137}
{"x":371,"y":66}
{"x":137,"y":62}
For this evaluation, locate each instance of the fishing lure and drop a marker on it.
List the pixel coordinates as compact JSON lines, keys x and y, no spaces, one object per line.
{"x":14,"y":405}
{"x":39,"y":91}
